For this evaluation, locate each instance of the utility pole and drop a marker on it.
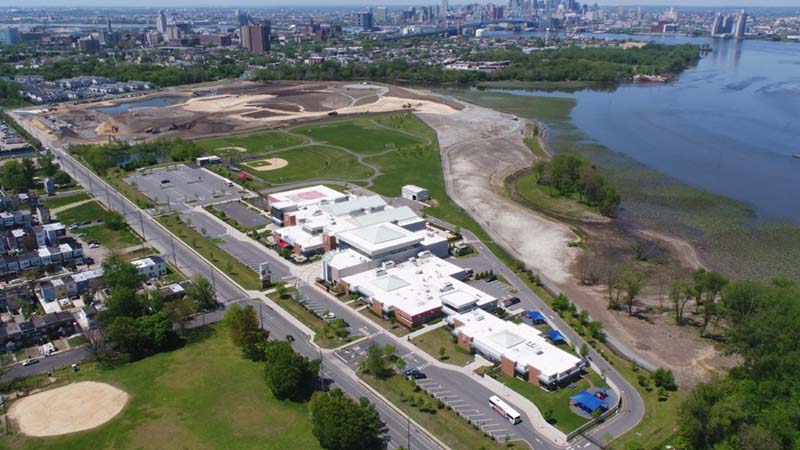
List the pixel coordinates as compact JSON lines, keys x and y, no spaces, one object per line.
{"x":321,"y":370}
{"x":213,"y":282}
{"x":174,"y":256}
{"x":141,"y":224}
{"x":261,"y":315}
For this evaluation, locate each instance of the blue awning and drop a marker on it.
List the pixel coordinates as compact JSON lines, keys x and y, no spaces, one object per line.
{"x":536,"y":316}
{"x":588,"y":402}
{"x":556,"y":336}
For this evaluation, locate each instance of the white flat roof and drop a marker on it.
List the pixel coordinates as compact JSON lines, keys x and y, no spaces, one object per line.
{"x":307,"y":196}
{"x":521,"y":343}
{"x":342,"y":259}
{"x":380,"y":238}
{"x":415,"y":287}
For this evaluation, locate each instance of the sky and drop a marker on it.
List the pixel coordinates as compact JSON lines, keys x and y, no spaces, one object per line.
{"x":267,"y":3}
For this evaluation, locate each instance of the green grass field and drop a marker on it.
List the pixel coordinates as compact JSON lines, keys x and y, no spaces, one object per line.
{"x":262,"y":142}
{"x":113,"y":239}
{"x":324,"y":336}
{"x":211,"y":251}
{"x":202,"y":396}
{"x":360,"y":135}
{"x":58,"y":202}
{"x":315,"y":161}
{"x":439,"y":338}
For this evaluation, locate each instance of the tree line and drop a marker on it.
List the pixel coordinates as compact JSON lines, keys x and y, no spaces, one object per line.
{"x":135,"y":324}
{"x":599,"y":64}
{"x":20,"y":175}
{"x":569,"y":175}
{"x":338,"y":422}
{"x":103,"y":157}
{"x":757,"y":405}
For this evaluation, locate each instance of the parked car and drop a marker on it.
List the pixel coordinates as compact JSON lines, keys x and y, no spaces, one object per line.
{"x":290,"y":338}
{"x":510,"y":301}
{"x":93,"y":246}
{"x":30,"y":361}
{"x":165,"y":181}
{"x":415,"y":374}
{"x":86,"y":222}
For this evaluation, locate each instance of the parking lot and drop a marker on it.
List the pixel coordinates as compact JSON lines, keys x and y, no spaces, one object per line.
{"x":182,"y":187}
{"x":243,"y":215}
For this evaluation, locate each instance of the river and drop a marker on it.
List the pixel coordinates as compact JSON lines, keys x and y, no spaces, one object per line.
{"x":728,"y":126}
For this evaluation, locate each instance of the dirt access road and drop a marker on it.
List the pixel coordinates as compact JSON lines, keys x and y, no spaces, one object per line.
{"x":480,"y":147}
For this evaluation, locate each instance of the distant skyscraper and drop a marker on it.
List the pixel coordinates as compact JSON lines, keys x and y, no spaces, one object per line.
{"x":161,"y":22}
{"x":9,"y":35}
{"x":717,"y":26}
{"x":365,"y":21}
{"x":444,"y":7}
{"x":255,"y":38}
{"x":242,"y":18}
{"x":381,"y":14}
{"x":741,"y":25}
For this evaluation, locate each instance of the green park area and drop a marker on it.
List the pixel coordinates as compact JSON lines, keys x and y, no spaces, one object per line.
{"x":440,"y":343}
{"x":251,"y":143}
{"x":107,"y":227}
{"x":311,"y":162}
{"x":211,"y":251}
{"x":201,"y":396}
{"x":364,"y":135}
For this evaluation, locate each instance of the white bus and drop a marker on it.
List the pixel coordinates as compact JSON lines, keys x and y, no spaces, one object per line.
{"x":504,"y":410}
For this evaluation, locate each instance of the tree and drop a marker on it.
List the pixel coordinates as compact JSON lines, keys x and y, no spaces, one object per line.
{"x":46,"y":164}
{"x":120,"y":273}
{"x":125,"y":337}
{"x":631,"y":284}
{"x":180,"y":311}
{"x":340,"y":423}
{"x":243,"y":328}
{"x":123,"y":301}
{"x":680,"y":294}
{"x":202,"y":294}
{"x":98,"y":344}
{"x":664,"y":378}
{"x":288,"y":374}
{"x":17,"y":176}
{"x":375,"y":363}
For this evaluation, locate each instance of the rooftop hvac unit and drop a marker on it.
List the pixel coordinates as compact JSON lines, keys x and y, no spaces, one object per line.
{"x":380,"y":272}
{"x":388,"y":264}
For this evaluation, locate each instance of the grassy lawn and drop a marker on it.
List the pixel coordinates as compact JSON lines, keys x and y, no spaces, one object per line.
{"x":557,"y":402}
{"x":439,"y":338}
{"x":393,"y":327}
{"x":314,"y":161}
{"x":541,"y":197}
{"x":202,"y":396}
{"x":262,"y":142}
{"x":324,"y":334}
{"x":75,"y":341}
{"x":113,"y":239}
{"x":445,"y":424}
{"x":93,"y":211}
{"x":360,"y":135}
{"x":242,"y":274}
{"x":58,"y":202}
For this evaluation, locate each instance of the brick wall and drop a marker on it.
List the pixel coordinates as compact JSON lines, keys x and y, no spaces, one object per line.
{"x":533,"y":374}
{"x":289,"y":220}
{"x":328,"y":242}
{"x":507,"y":366}
{"x":464,"y":341}
{"x":377,"y":307}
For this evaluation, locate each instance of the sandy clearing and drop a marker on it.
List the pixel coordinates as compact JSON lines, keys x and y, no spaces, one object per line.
{"x":222,"y":103}
{"x":67,"y":409}
{"x":480,"y":148}
{"x":271,"y":164}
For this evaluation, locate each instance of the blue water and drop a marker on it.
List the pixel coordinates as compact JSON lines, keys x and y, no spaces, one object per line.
{"x":158,"y":102}
{"x":730,"y":125}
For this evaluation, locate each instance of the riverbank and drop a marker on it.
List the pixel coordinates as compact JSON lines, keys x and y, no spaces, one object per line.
{"x":725,"y":233}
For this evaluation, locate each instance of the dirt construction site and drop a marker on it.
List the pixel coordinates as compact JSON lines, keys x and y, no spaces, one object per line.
{"x":225,"y":108}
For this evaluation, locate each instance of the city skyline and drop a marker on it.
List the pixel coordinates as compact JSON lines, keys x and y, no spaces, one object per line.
{"x":363,"y":3}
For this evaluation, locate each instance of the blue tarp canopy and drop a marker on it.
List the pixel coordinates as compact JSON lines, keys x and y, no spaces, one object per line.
{"x":536,"y":316}
{"x":556,"y":336}
{"x":588,"y":402}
